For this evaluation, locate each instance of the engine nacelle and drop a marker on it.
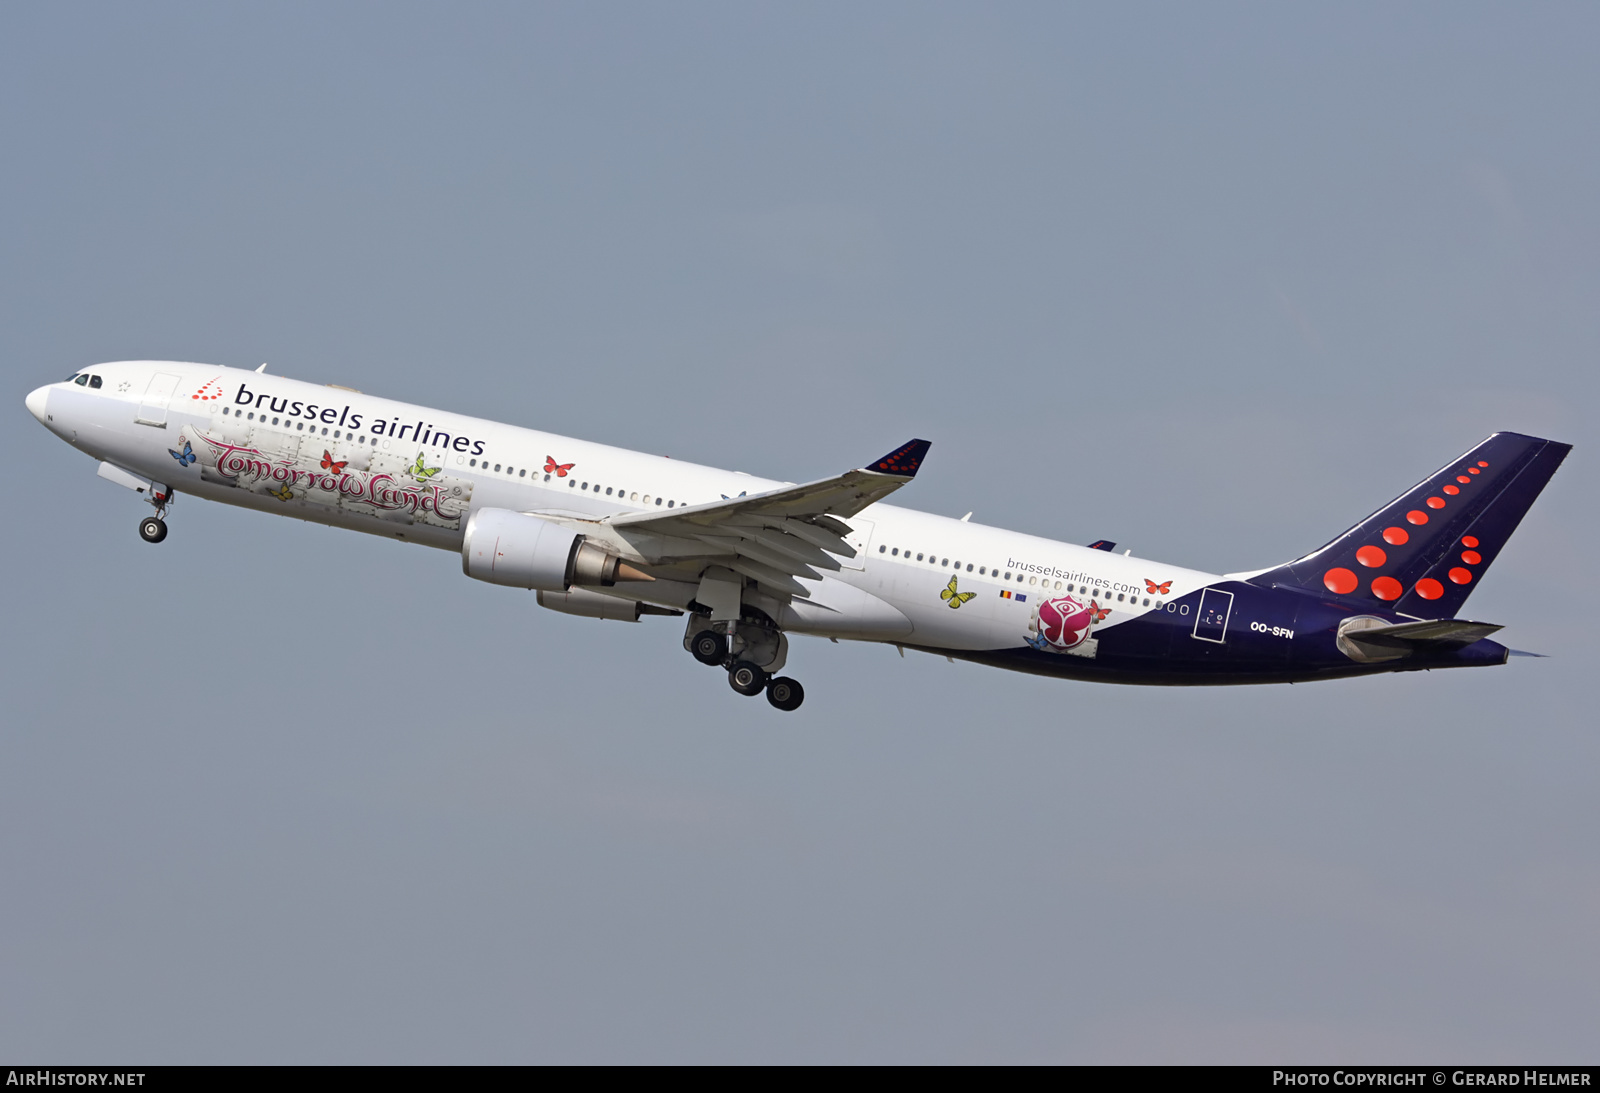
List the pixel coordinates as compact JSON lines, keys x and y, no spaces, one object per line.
{"x":522,"y":551}
{"x":592,"y":605}
{"x":515,"y":549}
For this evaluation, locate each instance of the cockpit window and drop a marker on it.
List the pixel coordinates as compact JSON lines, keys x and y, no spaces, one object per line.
{"x":81,"y":380}
{"x":94,"y":381}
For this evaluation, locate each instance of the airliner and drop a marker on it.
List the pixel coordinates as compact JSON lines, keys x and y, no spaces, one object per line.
{"x":607,"y":533}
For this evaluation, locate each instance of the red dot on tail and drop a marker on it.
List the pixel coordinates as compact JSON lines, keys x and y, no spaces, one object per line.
{"x":1396,"y":536}
{"x":1436,"y":502}
{"x":1472,"y":470}
{"x":1469,"y":541}
{"x":1416,"y":516}
{"x":1452,"y":490}
{"x":1481,"y":463}
{"x":1386,"y":588}
{"x":1371,"y":557}
{"x":1462,"y":478}
{"x":1461,"y":576}
{"x":1471,"y":557}
{"x":1340,"y":580}
{"x":1429,"y":589}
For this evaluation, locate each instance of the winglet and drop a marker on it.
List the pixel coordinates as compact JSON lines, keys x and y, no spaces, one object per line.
{"x":903,"y":461}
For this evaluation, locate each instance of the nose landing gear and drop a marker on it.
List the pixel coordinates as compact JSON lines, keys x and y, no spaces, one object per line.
{"x":153,"y":529}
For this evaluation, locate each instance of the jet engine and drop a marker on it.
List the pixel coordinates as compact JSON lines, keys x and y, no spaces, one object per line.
{"x":523,"y":551}
{"x":594,"y":605}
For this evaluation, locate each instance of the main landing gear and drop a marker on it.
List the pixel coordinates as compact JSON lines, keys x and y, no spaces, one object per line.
{"x":746,"y":676}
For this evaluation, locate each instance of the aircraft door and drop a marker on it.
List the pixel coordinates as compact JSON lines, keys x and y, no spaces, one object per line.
{"x":1211,"y":620}
{"x":860,"y":537}
{"x":153,"y":407}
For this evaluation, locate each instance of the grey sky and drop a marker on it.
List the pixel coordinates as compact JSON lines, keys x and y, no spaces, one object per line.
{"x":1213,"y":281}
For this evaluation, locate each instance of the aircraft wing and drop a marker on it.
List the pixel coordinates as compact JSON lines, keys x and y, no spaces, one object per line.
{"x":775,"y":537}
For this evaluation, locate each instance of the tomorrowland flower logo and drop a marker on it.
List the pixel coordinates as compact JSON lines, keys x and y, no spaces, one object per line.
{"x":1063,"y":622}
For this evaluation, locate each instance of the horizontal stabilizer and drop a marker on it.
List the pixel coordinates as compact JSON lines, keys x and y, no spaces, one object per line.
{"x":1367,"y":639}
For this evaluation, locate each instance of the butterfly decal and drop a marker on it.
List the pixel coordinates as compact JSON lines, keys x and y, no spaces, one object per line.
{"x":558,"y":469}
{"x":419,"y":472}
{"x":955,"y":599}
{"x":1038,"y":642}
{"x":330,"y":465}
{"x":1098,"y":613}
{"x":283,"y":492}
{"x":184,"y":457}
{"x":1157,"y":589}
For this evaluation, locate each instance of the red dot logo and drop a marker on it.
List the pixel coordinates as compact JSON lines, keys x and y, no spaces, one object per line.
{"x":1452,"y":490}
{"x":1461,"y":576}
{"x":1469,"y":540}
{"x":1471,"y":557}
{"x":1386,"y":588}
{"x":1463,"y":479}
{"x":1396,"y":536}
{"x":1416,"y":516}
{"x":1371,"y":557}
{"x":1481,"y":463}
{"x":1472,"y":470}
{"x":1429,"y":589}
{"x":1436,"y":502}
{"x":1340,"y":580}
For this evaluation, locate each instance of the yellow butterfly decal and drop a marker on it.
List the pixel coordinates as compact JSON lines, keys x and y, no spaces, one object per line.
{"x":282,"y":493}
{"x":956,"y":598}
{"x":421,"y":473}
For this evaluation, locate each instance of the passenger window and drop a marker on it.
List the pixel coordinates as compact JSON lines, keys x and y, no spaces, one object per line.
{"x":633,"y":496}
{"x":572,"y":484}
{"x":1147,"y":603}
{"x":1119,"y":597}
{"x":523,"y":473}
{"x":945,"y":562}
{"x":474,"y":463}
{"x":251,"y":416}
{"x":658,"y":501}
{"x":608,"y":491}
{"x":896,"y":553}
{"x":94,"y":381}
{"x":671,"y":503}
{"x":82,"y":380}
{"x":882,"y":549}
{"x":497,"y":466}
{"x":919,"y":557}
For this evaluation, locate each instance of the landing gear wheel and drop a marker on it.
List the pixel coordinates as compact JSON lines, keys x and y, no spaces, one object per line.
{"x":785,"y":693}
{"x":709,"y":647}
{"x":152,"y":529}
{"x":747,"y":679}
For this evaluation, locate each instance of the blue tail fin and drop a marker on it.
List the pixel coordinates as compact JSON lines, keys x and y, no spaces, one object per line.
{"x":1423,"y":553}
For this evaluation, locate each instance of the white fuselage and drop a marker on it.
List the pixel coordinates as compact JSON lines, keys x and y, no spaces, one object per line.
{"x":905,"y":558}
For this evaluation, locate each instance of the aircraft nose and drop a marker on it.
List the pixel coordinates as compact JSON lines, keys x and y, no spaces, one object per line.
{"x":36,"y":401}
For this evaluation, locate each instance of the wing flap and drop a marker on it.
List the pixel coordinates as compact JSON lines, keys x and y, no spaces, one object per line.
{"x":780,"y":535}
